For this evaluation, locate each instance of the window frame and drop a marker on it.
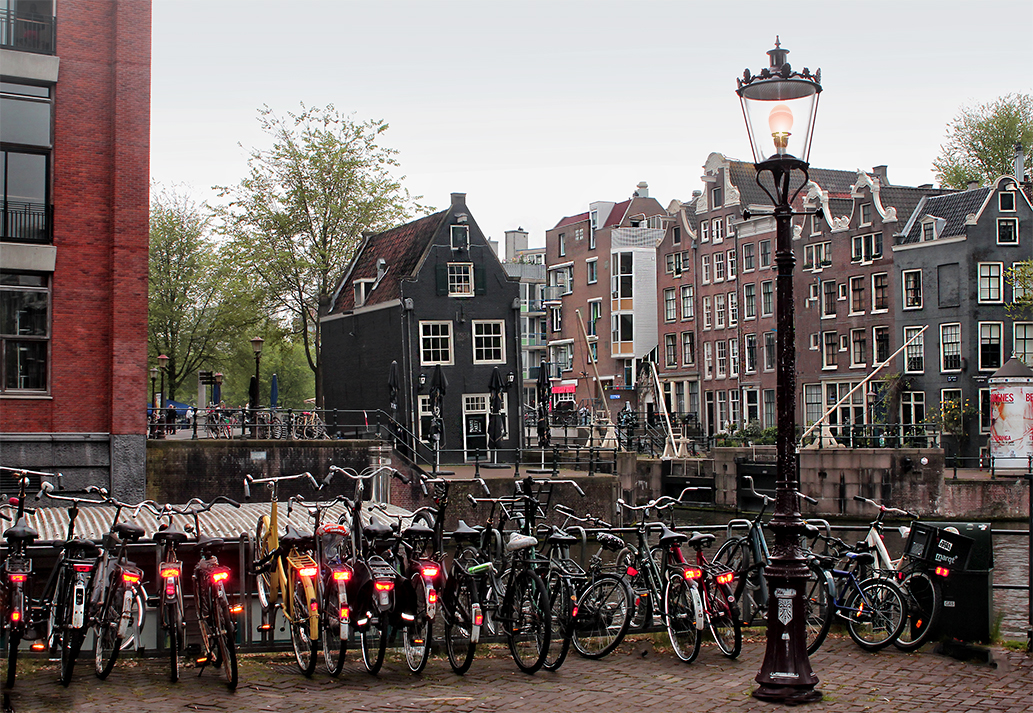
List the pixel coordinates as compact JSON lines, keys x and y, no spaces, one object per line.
{"x":956,"y":345}
{"x":8,"y":339}
{"x":990,"y":325}
{"x":880,"y":293}
{"x":1014,"y":223}
{"x":912,"y":294}
{"x":914,"y":353}
{"x":670,"y":305}
{"x":991,"y":280}
{"x":592,"y":270}
{"x":425,"y":323}
{"x":500,"y":337}
{"x":748,"y":264}
{"x":688,"y":307}
{"x":453,"y":278}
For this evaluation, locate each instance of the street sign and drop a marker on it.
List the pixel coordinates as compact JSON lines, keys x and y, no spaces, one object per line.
{"x":206,"y":377}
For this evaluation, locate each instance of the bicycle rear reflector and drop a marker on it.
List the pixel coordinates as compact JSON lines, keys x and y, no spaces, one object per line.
{"x":342,"y":575}
{"x":130,"y":577}
{"x":19,"y":577}
{"x":345,"y":613}
{"x":725,"y":577}
{"x":167,"y":572}
{"x":693,"y":573}
{"x":430,"y":570}
{"x":308,"y":571}
{"x":942,"y":571}
{"x":16,"y":616}
{"x":220,"y":575}
{"x":38,"y":646}
{"x":236,"y":609}
{"x":432,"y":597}
{"x":632,"y":572}
{"x":82,"y":567}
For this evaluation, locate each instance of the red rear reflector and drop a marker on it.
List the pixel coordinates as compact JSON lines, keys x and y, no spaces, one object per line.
{"x":236,"y":609}
{"x":130,"y":578}
{"x":575,"y":611}
{"x":170,"y":572}
{"x":170,"y":589}
{"x":308,"y":571}
{"x":693,"y":573}
{"x":19,"y":577}
{"x":478,"y":619}
{"x":342,"y":575}
{"x":82,"y":567}
{"x":384,"y":586}
{"x":345,"y":613}
{"x":432,"y":597}
{"x":313,"y":606}
{"x":39,"y":646}
{"x":431,"y":570}
{"x":221,"y":576}
{"x":632,"y":572}
{"x":16,"y":616}
{"x":725,"y":578}
{"x":942,"y":571}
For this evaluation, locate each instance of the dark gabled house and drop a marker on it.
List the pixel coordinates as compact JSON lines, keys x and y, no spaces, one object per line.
{"x":951,"y":263}
{"x":426,"y":294}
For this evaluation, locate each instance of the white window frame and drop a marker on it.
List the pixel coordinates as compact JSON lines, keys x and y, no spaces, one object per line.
{"x":748,"y":254}
{"x":708,"y":316}
{"x":688,"y":308}
{"x":956,"y":347}
{"x":708,"y":360}
{"x":670,"y":305}
{"x":671,"y":350}
{"x":875,"y":309}
{"x":749,"y":303}
{"x":721,"y":351}
{"x":915,"y":350}
{"x":829,"y":351}
{"x":865,"y":214}
{"x":750,"y":363}
{"x":733,"y":309}
{"x":592,"y":269}
{"x":447,"y":335}
{"x":719,"y":311}
{"x":730,"y":255}
{"x":856,"y":280}
{"x":719,"y":267}
{"x":994,"y":282}
{"x":705,"y":269}
{"x":688,"y":346}
{"x":989,"y":328}
{"x":718,"y":230}
{"x":462,"y":232}
{"x":906,"y":292}
{"x":479,"y":340}
{"x":1008,"y":221}
{"x":767,"y":298}
{"x":1000,"y":201}
{"x":1026,"y":340}
{"x":456,"y":284}
{"x":765,"y":256}
{"x":858,"y":336}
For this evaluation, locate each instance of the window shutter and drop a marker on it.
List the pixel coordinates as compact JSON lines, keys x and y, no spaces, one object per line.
{"x":480,"y":285}
{"x":442,"y":278}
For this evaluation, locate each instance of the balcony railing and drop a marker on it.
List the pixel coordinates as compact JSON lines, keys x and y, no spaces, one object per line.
{"x":25,"y":222}
{"x":27,"y":32}
{"x":535,"y":340}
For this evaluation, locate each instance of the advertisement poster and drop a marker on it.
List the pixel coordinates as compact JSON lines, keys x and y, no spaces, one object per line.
{"x":1011,"y":424}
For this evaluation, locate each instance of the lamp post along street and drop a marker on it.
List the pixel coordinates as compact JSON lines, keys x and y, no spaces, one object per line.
{"x":256,"y":346}
{"x":163,"y":364}
{"x":774,"y":102}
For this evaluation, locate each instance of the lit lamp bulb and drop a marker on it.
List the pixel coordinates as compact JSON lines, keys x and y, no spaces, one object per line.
{"x":780,"y":120}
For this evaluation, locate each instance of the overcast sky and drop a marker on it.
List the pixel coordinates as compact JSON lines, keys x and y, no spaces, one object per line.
{"x":534,"y":109}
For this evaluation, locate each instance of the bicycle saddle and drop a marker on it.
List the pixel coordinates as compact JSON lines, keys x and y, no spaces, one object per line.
{"x":610,"y":542}
{"x":465,"y":533}
{"x":128,"y":531}
{"x":558,"y":537}
{"x":292,"y":536}
{"x":88,"y":548}
{"x":700,"y":540}
{"x":417,"y":531}
{"x":21,"y":532}
{"x":861,"y":557}
{"x":170,"y":534}
{"x":205,"y":542}
{"x":669,"y":537}
{"x":377,"y":529}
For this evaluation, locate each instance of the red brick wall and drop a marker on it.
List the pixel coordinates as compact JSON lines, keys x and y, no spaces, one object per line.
{"x":101,"y":175}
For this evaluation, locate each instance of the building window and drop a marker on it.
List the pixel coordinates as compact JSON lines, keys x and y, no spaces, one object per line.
{"x":912,"y":408}
{"x":747,"y":257}
{"x":765,"y":253}
{"x":460,"y":236}
{"x":595,"y":313}
{"x":719,"y":267}
{"x":674,"y":264}
{"x":830,"y":350}
{"x":733,"y":357}
{"x":950,"y":347}
{"x":556,"y":319}
{"x":707,"y":315}
{"x":579,"y":234}
{"x":562,"y":240}
{"x":928,"y":231}
{"x":912,"y":289}
{"x":750,"y":353}
{"x":817,"y":223}
{"x":708,"y":360}
{"x":676,"y":235}
{"x":731,"y":264}
{"x":828,"y":301}
{"x":25,"y":122}
{"x":1006,"y":200}
{"x":704,"y":231}
{"x":435,"y":343}
{"x":812,"y":403}
{"x":914,"y":355}
{"x":688,"y":348}
{"x":865,"y":248}
{"x":687,"y":308}
{"x":623,"y":330}
{"x":1018,"y":290}
{"x":24,"y":332}
{"x":460,"y":279}
{"x":880,"y":292}
{"x":716,"y":199}
{"x":985,"y":411}
{"x":769,"y":351}
{"x":670,"y":305}
{"x":733,"y":405}
{"x":591,"y":234}
{"x":990,"y":281}
{"x":767,"y":301}
{"x":857,"y":295}
{"x":719,"y":311}
{"x":705,"y":267}
{"x":1024,"y":342}
{"x":881,"y":338}
{"x":990,"y":345}
{"x":719,"y":230}
{"x":769,"y":408}
{"x":670,"y":350}
{"x":722,"y":410}
{"x":623,"y":277}
{"x":749,"y":293}
{"x":818,"y":256}
{"x":489,"y":340}
{"x":859,"y":349}
{"x":866,"y":214}
{"x":1007,"y":231}
{"x":593,"y":271}
{"x":733,"y":309}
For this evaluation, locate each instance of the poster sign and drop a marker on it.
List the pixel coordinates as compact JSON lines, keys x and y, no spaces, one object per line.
{"x":1011,"y":424}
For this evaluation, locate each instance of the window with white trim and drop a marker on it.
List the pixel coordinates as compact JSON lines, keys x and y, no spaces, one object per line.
{"x":719,"y":230}
{"x":595,"y":313}
{"x":828,"y":301}
{"x":731,"y":264}
{"x":670,"y":305}
{"x":733,"y":309}
{"x":705,"y":268}
{"x":812,"y":403}
{"x":459,"y":236}
{"x":985,"y":411}
{"x":708,"y":360}
{"x":857,"y":304}
{"x":866,"y":248}
{"x":880,"y":292}
{"x":1018,"y":290}
{"x":593,"y":270}
{"x":1006,"y":201}
{"x":765,"y":253}
{"x":704,"y":231}
{"x":991,"y":346}
{"x":670,"y":350}
{"x":489,"y":341}
{"x":912,"y":408}
{"x":733,"y":357}
{"x":749,"y":294}
{"x":24,"y":332}
{"x":719,"y":267}
{"x":866,"y":214}
{"x":767,"y":299}
{"x":949,"y":398}
{"x":722,"y":359}
{"x":881,"y":340}
{"x":859,"y":347}
{"x":460,"y":279}
{"x":950,"y":347}
{"x":1007,"y":231}
{"x":747,"y":257}
{"x":830,"y":350}
{"x":688,"y":348}
{"x":990,"y":281}
{"x":562,"y":240}
{"x":1023,"y":342}
{"x":435,"y":343}
{"x":750,"y":341}
{"x":687,"y":307}
{"x":912,"y":289}
{"x":770,"y":344}
{"x":707,"y":313}
{"x":914,"y":354}
{"x":719,"y":311}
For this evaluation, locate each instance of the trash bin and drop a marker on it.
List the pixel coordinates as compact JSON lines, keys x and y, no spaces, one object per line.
{"x":968,"y":591}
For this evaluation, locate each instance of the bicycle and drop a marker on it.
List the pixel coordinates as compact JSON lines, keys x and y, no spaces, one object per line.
{"x":308,"y":425}
{"x":17,"y":578}
{"x":717,"y":597}
{"x":287,"y":574}
{"x":874,"y":608}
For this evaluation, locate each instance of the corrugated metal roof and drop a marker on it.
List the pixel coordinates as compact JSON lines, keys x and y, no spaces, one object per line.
{"x":222,"y":520}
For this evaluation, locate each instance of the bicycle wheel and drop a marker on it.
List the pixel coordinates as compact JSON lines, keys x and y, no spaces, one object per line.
{"x":642,"y":615}
{"x":818,"y":601}
{"x":924,"y":601}
{"x":527,"y":620}
{"x":604,"y":612}
{"x":226,"y":641}
{"x":137,"y":614}
{"x":263,"y":582}
{"x":374,"y":643}
{"x":334,"y":647}
{"x":304,"y":646}
{"x":723,"y":620}
{"x":680,"y":617}
{"x":459,"y":625}
{"x":171,"y":624}
{"x":106,"y":641}
{"x":561,"y":611}
{"x":14,"y":640}
{"x":737,"y":556}
{"x":417,"y":636}
{"x":877,"y":612}
{"x":71,"y":644}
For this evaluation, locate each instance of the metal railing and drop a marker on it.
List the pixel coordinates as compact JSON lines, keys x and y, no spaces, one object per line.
{"x":26,"y":221}
{"x":28,"y":32}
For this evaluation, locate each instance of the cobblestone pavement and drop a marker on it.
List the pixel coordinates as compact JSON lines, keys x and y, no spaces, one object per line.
{"x":641,"y":675}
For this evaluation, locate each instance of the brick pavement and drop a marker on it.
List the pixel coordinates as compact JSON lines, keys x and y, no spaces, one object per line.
{"x":640,"y":675}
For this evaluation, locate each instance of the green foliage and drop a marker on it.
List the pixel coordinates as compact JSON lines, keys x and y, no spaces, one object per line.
{"x":297,"y":219}
{"x":1020,"y":277}
{"x":951,"y":416}
{"x":980,"y":141}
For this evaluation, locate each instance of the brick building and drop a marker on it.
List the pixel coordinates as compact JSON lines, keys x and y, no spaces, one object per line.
{"x":75,"y":132}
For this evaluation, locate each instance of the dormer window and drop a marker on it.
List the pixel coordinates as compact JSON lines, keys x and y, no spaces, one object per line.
{"x":1007,"y":231}
{"x":928,"y":231}
{"x":716,"y":198}
{"x":460,"y":279}
{"x":816,"y":223}
{"x":866,"y":214}
{"x":460,"y":237}
{"x":362,"y":289}
{"x":1006,"y":201}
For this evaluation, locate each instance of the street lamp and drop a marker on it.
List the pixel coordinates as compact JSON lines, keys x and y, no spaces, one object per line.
{"x":217,"y":396}
{"x":154,"y":378}
{"x":163,"y":363}
{"x":779,"y":106}
{"x":256,"y":346}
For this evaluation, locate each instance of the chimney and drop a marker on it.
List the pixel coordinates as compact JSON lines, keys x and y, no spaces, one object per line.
{"x":515,"y":240}
{"x":381,"y":268}
{"x":1020,"y":163}
{"x":458,"y":199}
{"x":697,"y":193}
{"x":642,"y":190}
{"x":880,"y":173}
{"x":973,"y":184}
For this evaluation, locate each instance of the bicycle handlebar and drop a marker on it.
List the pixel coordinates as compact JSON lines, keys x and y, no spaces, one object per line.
{"x":651,"y":504}
{"x":883,"y":509}
{"x":249,"y":479}
{"x":692,"y":489}
{"x":570,"y":514}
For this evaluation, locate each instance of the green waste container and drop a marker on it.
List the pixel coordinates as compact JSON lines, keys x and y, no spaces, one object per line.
{"x":968,"y":591}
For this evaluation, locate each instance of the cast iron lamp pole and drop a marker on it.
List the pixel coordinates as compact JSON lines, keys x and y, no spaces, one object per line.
{"x":256,"y":345}
{"x":163,"y":364}
{"x":154,"y":403}
{"x":772,"y":102}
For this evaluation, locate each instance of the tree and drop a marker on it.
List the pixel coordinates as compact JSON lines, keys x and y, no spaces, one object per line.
{"x":980,"y":141}
{"x":298,"y":217}
{"x":196,"y":302}
{"x":1020,"y":277}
